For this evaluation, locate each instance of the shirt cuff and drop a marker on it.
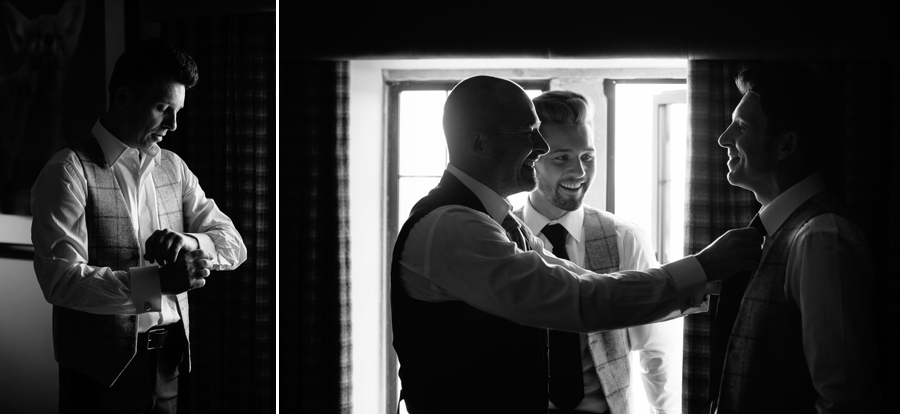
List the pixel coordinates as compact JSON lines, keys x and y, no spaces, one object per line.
{"x":146,"y":294}
{"x":690,"y":281}
{"x":206,"y":244}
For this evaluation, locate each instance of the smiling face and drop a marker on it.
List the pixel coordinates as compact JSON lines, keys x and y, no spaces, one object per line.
{"x":150,"y":115}
{"x":751,"y":158}
{"x":565,"y":174}
{"x":516,"y":146}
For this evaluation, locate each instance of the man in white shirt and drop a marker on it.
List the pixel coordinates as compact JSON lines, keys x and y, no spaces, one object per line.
{"x":122,"y":230}
{"x":603,"y":243}
{"x":802,"y":339}
{"x":472,"y":286}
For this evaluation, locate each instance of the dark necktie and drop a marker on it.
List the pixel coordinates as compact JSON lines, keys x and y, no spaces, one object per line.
{"x":514,"y":231}
{"x":566,"y":384}
{"x":730,"y":296}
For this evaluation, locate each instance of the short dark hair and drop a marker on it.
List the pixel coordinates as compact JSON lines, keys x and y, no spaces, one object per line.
{"x":790,"y":98}
{"x":150,"y":63}
{"x":564,"y":107}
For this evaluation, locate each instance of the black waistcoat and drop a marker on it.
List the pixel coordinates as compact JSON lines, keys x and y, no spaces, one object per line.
{"x":455,"y":358}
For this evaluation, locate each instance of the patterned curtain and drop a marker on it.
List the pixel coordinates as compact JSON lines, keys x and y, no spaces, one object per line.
{"x":863,"y":170}
{"x":226,"y":134}
{"x":315,"y":266}
{"x":713,"y":205}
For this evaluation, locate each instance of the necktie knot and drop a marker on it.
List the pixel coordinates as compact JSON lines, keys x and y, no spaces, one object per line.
{"x":514,"y":231}
{"x":510,"y":224}
{"x":758,"y":224}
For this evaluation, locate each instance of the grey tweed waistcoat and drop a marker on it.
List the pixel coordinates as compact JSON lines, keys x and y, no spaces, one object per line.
{"x":101,"y":346}
{"x":765,"y":367}
{"x":609,"y":349}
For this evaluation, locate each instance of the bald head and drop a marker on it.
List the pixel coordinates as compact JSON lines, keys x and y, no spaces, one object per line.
{"x":486,"y":104}
{"x":492,"y":133}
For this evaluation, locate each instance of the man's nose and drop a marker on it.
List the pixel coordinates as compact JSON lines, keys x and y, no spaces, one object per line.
{"x":727,"y":137}
{"x":169,"y":122}
{"x":578,"y":168}
{"x":540,"y":145}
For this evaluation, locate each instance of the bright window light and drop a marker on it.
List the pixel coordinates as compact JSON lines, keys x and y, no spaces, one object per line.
{"x":423,"y":148}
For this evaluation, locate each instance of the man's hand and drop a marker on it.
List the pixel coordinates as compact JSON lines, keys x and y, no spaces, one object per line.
{"x":164,"y":246}
{"x":188,"y":272}
{"x":735,"y":251}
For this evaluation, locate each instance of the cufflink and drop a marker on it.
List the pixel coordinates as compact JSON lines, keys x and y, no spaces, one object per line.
{"x":147,"y":306}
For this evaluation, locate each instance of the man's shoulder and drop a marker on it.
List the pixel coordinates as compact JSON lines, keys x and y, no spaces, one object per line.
{"x":173,"y":160}
{"x":64,"y":155}
{"x":596,"y":214}
{"x":169,"y":155}
{"x":453,"y":216}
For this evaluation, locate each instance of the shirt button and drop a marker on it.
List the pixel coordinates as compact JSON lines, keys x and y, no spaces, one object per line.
{"x":147,"y":306}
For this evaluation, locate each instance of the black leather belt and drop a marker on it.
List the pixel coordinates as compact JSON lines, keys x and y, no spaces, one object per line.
{"x":155,"y":338}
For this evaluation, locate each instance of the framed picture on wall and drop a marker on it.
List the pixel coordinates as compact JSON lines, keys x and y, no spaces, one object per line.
{"x":52,"y":83}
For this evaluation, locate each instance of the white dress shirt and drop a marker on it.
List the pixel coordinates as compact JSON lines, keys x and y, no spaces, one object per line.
{"x":456,"y":253}
{"x":829,"y":279}
{"x":59,"y":234}
{"x":654,"y":341}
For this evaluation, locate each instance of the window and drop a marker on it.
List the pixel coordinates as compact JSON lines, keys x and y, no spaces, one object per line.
{"x":647,"y":135}
{"x":375,"y":177}
{"x":647,"y":138}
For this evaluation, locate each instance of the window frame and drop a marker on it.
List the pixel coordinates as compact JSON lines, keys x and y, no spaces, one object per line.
{"x":609,"y":89}
{"x":660,"y":194}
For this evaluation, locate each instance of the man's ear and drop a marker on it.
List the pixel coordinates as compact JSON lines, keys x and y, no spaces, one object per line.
{"x":480,"y":146}
{"x":122,"y":98}
{"x":788,"y":144}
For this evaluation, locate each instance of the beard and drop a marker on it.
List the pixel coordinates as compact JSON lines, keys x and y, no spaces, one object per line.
{"x":516,"y":177}
{"x":550,"y":192}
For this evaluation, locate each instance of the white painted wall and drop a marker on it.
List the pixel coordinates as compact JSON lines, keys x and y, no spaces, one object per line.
{"x":28,"y":373}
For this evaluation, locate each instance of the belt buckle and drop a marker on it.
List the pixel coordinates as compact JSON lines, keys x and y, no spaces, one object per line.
{"x":156,"y":339}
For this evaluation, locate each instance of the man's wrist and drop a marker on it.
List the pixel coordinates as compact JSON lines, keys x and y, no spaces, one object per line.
{"x":192,"y":241}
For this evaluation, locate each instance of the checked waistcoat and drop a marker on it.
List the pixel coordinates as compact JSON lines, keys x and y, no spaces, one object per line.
{"x":765,"y":366}
{"x":609,"y":349}
{"x":101,"y":346}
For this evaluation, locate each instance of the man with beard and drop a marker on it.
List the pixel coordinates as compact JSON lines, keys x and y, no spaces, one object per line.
{"x":591,"y":372}
{"x":471,"y":287}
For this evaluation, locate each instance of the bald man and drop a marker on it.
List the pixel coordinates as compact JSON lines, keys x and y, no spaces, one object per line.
{"x":472,"y":286}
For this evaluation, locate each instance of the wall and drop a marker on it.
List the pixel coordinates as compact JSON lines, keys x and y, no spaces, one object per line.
{"x":28,"y":372}
{"x":672,"y":29}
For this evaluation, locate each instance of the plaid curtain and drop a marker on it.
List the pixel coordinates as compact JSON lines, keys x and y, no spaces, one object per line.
{"x":315,"y":343}
{"x":226,"y":134}
{"x":863,"y":170}
{"x":713,"y":205}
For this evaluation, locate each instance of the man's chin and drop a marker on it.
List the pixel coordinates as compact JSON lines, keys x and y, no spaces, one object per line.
{"x":567,"y":203}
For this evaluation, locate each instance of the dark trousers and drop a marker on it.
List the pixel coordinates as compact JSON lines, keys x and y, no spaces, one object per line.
{"x":149,"y":385}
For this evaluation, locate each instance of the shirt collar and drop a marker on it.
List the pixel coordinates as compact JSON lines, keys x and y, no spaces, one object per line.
{"x":573,"y":221}
{"x":113,"y":148}
{"x":497,"y":207}
{"x":777,"y":212}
